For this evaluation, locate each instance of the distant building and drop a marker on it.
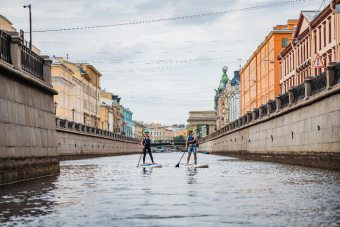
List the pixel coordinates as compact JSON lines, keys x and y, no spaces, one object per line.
{"x":127,"y":125}
{"x":159,"y":133}
{"x":260,"y":76}
{"x":201,"y":121}
{"x":234,"y":99}
{"x":317,"y":33}
{"x":138,"y":129}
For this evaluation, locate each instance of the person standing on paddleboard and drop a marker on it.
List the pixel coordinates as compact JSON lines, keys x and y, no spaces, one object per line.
{"x":190,"y":145}
{"x":146,"y":145}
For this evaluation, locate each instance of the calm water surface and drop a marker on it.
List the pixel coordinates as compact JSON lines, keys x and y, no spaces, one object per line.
{"x":111,"y":191}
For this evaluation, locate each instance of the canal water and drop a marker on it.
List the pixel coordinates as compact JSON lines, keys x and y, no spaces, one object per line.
{"x":111,"y":191}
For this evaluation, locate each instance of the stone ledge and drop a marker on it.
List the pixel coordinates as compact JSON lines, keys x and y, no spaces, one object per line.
{"x":23,"y":77}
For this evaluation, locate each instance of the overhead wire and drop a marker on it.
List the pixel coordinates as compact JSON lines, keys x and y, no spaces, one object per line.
{"x":268,"y":5}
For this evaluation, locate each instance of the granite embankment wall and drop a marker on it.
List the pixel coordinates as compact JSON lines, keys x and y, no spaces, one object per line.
{"x":304,"y":132}
{"x":74,"y":144}
{"x":27,"y":130}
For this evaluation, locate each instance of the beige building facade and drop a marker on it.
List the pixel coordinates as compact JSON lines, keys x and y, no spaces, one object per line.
{"x":317,"y":33}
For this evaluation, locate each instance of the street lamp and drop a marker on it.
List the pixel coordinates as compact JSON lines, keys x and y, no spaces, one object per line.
{"x":102,"y":124}
{"x":30,"y":15}
{"x":55,"y":107}
{"x":73,"y":114}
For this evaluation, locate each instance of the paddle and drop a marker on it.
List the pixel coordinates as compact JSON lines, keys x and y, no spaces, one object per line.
{"x":140,"y":157}
{"x":181,"y":157}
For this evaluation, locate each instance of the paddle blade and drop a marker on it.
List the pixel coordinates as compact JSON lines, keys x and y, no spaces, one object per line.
{"x":177,"y":165}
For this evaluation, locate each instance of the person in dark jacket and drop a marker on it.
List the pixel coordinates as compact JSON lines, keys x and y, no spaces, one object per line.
{"x":146,"y":146}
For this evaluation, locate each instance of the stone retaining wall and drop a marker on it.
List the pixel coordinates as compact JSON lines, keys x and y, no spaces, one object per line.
{"x":27,"y":129}
{"x":72,"y":143}
{"x":306,"y":133}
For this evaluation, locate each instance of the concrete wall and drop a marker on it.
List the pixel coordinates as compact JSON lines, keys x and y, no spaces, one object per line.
{"x":72,"y":143}
{"x":306,"y":133}
{"x":27,"y":129}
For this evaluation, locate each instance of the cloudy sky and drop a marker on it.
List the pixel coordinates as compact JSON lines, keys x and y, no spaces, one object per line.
{"x":162,"y":69}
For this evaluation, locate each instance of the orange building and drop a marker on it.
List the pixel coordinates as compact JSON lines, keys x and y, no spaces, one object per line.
{"x":260,"y":76}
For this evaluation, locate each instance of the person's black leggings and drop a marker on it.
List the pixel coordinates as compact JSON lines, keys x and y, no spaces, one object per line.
{"x":147,"y":147}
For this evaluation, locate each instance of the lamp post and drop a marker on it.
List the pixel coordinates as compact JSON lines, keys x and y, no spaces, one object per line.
{"x":102,"y":124}
{"x":73,"y":114}
{"x":30,"y":15}
{"x":55,"y":107}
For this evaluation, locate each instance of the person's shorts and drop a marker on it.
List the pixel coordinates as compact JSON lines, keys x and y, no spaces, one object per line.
{"x":192,"y":149}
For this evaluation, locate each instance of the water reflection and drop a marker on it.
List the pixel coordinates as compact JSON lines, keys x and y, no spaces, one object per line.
{"x":191,"y":172}
{"x":146,"y":171}
{"x":27,"y":198}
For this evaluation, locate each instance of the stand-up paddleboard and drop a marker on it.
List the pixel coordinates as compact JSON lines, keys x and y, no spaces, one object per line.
{"x":194,"y":166}
{"x":150,"y":165}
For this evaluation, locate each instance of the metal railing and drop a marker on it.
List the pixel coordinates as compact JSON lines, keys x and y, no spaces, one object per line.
{"x":31,"y":62}
{"x":265,"y":110}
{"x":273,"y":106}
{"x":91,"y":130}
{"x":62,"y":123}
{"x":299,"y":92}
{"x":284,"y":100}
{"x":5,"y":48}
{"x":318,"y":83}
{"x":337,"y":73}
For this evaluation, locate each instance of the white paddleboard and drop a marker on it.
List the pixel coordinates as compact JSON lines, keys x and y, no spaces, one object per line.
{"x":194,"y":166}
{"x":150,"y":165}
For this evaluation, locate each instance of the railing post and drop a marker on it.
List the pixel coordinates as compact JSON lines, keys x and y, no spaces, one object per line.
{"x":66,"y":123}
{"x":330,"y":75}
{"x":269,"y":107}
{"x":254,"y":114}
{"x":278,"y":103}
{"x":248,"y":117}
{"x":15,"y":50}
{"x":291,"y":95}
{"x":58,"y":121}
{"x":308,"y":88}
{"x":47,"y":70}
{"x":261,"y":111}
{"x":240,"y":122}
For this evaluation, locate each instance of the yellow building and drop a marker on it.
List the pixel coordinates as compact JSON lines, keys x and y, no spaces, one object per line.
{"x":70,"y":92}
{"x":260,"y":76}
{"x":90,"y":78}
{"x":108,"y":111}
{"x":159,"y":132}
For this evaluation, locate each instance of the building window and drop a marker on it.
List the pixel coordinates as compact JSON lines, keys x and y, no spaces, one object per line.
{"x":315,"y":46}
{"x":284,"y":42}
{"x":329,"y":31}
{"x":319,"y":38}
{"x":324,"y":35}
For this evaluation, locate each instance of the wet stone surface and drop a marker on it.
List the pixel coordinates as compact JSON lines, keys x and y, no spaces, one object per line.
{"x":111,"y":191}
